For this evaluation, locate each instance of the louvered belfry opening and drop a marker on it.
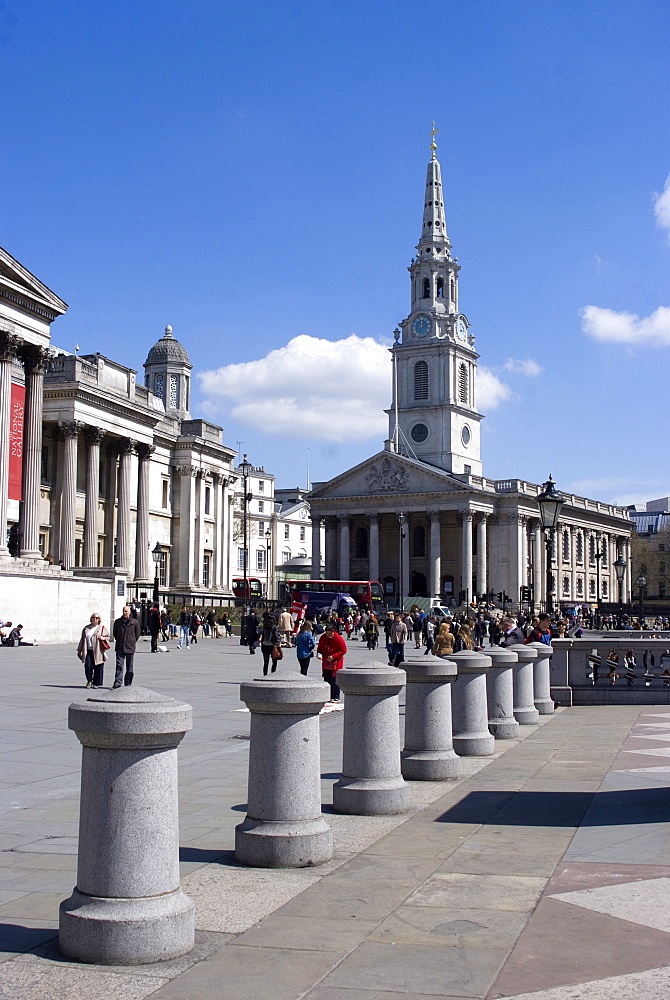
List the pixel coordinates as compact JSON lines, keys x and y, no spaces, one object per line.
{"x":421,"y":380}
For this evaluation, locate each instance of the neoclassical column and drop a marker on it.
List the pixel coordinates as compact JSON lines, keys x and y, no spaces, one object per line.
{"x":343,"y":521}
{"x":482,"y":568}
{"x":331,"y":548}
{"x":187,"y":474}
{"x":9,"y":345}
{"x":142,"y":541}
{"x":70,"y":430}
{"x":217,"y":553}
{"x":435,"y":554}
{"x":35,"y":360}
{"x":404,"y":540}
{"x":200,"y":529}
{"x":373,"y":547}
{"x":521,"y":534}
{"x":466,"y":558}
{"x":94,"y":436}
{"x":126,"y":451}
{"x":316,"y":547}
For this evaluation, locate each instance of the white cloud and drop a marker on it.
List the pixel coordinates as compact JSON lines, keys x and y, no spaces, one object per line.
{"x":627,"y":328}
{"x":490,"y":390}
{"x":662,"y":206}
{"x":320,"y":389}
{"x":527,"y":367}
{"x":311,"y":388}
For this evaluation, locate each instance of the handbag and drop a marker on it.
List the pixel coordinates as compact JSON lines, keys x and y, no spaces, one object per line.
{"x":104,"y":645}
{"x":277,"y":653}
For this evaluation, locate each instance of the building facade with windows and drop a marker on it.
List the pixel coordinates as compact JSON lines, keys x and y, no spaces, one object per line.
{"x":420,"y":516}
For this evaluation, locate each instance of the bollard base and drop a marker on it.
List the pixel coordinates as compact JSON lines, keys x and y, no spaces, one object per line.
{"x":545,"y":706}
{"x":371,"y":796}
{"x":527,"y":716}
{"x":298,"y":844}
{"x":430,"y":765}
{"x":126,"y":931}
{"x":504,"y":729}
{"x":475,"y":745}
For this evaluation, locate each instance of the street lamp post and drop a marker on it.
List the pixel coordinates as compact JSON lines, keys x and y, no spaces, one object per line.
{"x":268,"y":576}
{"x":598,"y":554}
{"x":620,"y":570}
{"x":550,"y":502}
{"x":641,"y":583}
{"x":531,"y":573}
{"x":246,"y":496}
{"x":401,"y":524}
{"x":156,"y":554}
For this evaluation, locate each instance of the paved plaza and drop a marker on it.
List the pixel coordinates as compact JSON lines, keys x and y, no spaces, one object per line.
{"x":544,"y":872}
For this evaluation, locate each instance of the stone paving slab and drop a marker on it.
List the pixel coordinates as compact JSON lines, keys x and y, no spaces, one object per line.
{"x":458,"y":898}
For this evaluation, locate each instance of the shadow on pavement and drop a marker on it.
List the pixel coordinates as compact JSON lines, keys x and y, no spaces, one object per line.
{"x":569,"y":809}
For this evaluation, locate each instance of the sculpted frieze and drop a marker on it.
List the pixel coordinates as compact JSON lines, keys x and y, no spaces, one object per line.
{"x":386,"y":478}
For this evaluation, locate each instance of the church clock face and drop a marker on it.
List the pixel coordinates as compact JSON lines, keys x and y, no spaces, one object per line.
{"x":461,"y":329}
{"x":421,"y":325}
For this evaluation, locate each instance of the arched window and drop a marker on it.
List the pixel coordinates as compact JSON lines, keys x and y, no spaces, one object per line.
{"x":426,"y":288}
{"x":592,"y":588}
{"x":440,"y":288}
{"x":566,"y":546}
{"x":452,"y":287}
{"x":592,"y":549}
{"x":361,"y":543}
{"x":580,"y":588}
{"x":566,"y":585}
{"x":605,"y":588}
{"x":419,"y":540}
{"x":463,"y":385}
{"x":580,"y":547}
{"x":604,"y":552}
{"x":421,"y":380}
{"x":286,"y":556}
{"x":159,"y":385}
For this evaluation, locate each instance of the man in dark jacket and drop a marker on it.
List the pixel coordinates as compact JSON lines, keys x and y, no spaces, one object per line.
{"x":126,"y":632}
{"x":154,"y":627}
{"x":250,"y":626}
{"x":512,"y":634}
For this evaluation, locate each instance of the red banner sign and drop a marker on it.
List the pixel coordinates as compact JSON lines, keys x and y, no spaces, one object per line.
{"x":17,"y":407}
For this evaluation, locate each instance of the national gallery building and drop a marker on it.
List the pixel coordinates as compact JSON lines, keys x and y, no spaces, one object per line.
{"x":420,"y":516}
{"x":95,"y":469}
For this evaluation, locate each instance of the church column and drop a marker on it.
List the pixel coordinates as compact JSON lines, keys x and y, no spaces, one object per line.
{"x":316,"y":547}
{"x":35,"y":361}
{"x":70,"y":430}
{"x":94,"y":436}
{"x":142,"y":542}
{"x":331,"y":548}
{"x":126,"y":452}
{"x":187,"y":474}
{"x":482,"y":568}
{"x":9,"y":345}
{"x":466,"y":560}
{"x":435,"y":555}
{"x":200,"y":531}
{"x":345,"y":571}
{"x":373,"y":548}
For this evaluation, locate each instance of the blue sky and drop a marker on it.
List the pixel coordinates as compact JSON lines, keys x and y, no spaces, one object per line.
{"x":252,"y":173}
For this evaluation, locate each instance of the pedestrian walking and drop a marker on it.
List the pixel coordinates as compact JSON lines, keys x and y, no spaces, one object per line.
{"x":270,"y":642}
{"x":397,"y":640}
{"x":184,"y":629}
{"x":154,"y":627}
{"x":92,"y":650}
{"x":331,"y":650}
{"x":286,"y":626}
{"x":251,"y":624}
{"x":126,"y":633}
{"x":305,"y":644}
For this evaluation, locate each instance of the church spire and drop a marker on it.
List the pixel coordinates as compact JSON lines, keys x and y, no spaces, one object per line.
{"x":434,"y":229}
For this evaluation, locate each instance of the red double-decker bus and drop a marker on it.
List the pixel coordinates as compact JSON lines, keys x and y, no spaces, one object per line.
{"x":320,"y":595}
{"x":254,"y":588}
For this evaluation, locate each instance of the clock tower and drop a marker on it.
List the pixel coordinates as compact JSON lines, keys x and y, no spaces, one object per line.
{"x":434,"y":356}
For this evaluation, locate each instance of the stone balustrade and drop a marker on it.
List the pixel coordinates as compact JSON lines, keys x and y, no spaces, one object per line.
{"x":581,"y":673}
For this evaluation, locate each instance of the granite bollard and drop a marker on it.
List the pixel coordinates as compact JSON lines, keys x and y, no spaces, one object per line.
{"x":429,"y":751}
{"x":372,"y":783}
{"x":544,"y":703}
{"x":525,"y":712}
{"x":471,"y":723}
{"x":500,"y":693}
{"x":284,"y":827}
{"x":127,"y":907}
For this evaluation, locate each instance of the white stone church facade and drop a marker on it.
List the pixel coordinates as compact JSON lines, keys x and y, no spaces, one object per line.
{"x":463,"y":534}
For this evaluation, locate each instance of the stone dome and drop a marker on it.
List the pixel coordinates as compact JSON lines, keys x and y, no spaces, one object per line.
{"x":167,"y":348}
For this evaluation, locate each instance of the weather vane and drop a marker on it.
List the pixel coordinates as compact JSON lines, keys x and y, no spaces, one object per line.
{"x":433,"y":144}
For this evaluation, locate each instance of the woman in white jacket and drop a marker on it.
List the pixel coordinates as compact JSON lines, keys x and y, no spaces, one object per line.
{"x":92,"y":652}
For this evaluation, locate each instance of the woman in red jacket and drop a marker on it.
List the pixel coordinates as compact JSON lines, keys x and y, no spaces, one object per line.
{"x":331,"y":649}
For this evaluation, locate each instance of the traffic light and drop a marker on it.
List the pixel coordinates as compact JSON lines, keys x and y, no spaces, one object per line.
{"x":501,"y":596}
{"x":525,"y":594}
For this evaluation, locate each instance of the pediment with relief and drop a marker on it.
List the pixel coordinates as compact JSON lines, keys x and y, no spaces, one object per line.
{"x":387,"y":474}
